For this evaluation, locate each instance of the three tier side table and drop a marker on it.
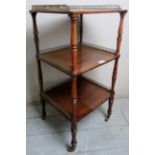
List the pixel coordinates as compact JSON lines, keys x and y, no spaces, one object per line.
{"x":78,"y":96}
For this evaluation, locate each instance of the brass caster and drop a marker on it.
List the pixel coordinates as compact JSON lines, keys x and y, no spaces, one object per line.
{"x":107,"y":119}
{"x":71,"y":148}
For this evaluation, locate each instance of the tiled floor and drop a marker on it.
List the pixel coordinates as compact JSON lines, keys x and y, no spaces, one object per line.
{"x":95,"y":136}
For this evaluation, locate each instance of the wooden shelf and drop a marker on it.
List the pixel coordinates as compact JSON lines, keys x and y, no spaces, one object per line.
{"x":60,"y":97}
{"x":89,"y":57}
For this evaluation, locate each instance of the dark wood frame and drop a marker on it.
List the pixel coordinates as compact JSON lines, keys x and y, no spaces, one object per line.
{"x":75,"y":17}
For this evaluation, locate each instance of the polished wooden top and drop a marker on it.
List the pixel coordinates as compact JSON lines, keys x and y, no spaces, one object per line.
{"x":76,"y":9}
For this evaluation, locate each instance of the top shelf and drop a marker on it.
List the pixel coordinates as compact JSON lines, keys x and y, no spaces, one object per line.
{"x":87,"y":9}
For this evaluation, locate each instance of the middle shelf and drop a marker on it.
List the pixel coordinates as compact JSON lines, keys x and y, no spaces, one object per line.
{"x":89,"y":57}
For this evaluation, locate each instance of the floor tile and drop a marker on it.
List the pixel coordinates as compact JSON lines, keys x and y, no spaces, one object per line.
{"x":34,"y":110}
{"x":96,"y":119}
{"x":95,"y":136}
{"x":123,"y":106}
{"x":111,"y":151}
{"x":88,"y":140}
{"x":38,"y":126}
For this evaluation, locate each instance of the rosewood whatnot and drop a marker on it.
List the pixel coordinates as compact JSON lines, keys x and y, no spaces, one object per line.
{"x":78,"y":96}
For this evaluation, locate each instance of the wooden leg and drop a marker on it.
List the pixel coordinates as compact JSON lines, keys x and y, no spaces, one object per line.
{"x":74,"y":141}
{"x":111,"y":101}
{"x":74,"y":112}
{"x":40,"y":77}
{"x":119,"y":40}
{"x":81,"y":28}
{"x":74,"y":54}
{"x":72,"y":147}
{"x":43,"y":109}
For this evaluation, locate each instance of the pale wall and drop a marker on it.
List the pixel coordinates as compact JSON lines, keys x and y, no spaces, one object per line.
{"x":55,"y":30}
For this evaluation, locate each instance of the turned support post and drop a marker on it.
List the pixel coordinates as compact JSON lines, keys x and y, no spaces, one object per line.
{"x":115,"y":70}
{"x":74,"y":53}
{"x":81,"y":29}
{"x":40,"y":78}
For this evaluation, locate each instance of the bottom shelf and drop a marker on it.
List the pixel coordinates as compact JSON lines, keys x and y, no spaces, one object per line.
{"x":90,"y":96}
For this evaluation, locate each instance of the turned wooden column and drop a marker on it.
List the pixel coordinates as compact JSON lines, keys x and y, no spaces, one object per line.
{"x":115,"y":70}
{"x":40,"y":78}
{"x":74,"y":53}
{"x":81,"y":28}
